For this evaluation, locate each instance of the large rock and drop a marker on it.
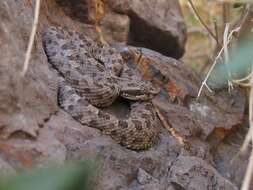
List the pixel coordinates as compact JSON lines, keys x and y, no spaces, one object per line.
{"x":155,"y":24}
{"x":194,"y":173}
{"x":161,"y":167}
{"x":115,"y":27}
{"x":26,"y":102}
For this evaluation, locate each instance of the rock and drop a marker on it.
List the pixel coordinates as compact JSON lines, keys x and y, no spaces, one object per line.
{"x":199,"y":149}
{"x":193,"y":173}
{"x":73,"y":135}
{"x":229,"y":160}
{"x":79,"y":10}
{"x":120,"y":168}
{"x":154,"y":24}
{"x":115,"y":27}
{"x":23,"y":151}
{"x":157,"y":23}
{"x":25,"y":101}
{"x":219,"y":113}
{"x":146,"y":181}
{"x":66,"y":14}
{"x":144,"y":178}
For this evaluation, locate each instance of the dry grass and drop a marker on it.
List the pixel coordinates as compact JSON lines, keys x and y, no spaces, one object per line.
{"x":223,"y":54}
{"x":32,"y":37}
{"x":224,"y":46}
{"x":248,"y":139}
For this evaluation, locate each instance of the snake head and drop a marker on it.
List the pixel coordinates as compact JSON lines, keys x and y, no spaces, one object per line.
{"x":145,"y":91}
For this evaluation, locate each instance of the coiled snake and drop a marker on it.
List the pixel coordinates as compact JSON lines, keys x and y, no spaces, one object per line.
{"x":92,"y":76}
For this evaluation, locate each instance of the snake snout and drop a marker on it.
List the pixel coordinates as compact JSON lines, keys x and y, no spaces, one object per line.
{"x":154,"y":90}
{"x":134,"y":94}
{"x":141,"y":93}
{"x":126,"y":54}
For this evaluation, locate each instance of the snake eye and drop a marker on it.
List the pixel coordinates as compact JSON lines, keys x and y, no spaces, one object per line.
{"x":117,"y":69}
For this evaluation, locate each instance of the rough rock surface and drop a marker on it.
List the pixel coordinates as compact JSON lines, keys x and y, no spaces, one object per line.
{"x":194,"y":173}
{"x":228,"y":158}
{"x":161,"y":22}
{"x":34,"y":131}
{"x":25,"y":101}
{"x":154,"y":24}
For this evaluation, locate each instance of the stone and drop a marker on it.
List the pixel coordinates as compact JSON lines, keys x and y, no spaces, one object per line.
{"x":26,"y":101}
{"x":115,"y":27}
{"x":193,"y":173}
{"x":154,"y":24}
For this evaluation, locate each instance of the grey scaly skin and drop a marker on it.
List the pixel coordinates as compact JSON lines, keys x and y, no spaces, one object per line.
{"x":93,"y":75}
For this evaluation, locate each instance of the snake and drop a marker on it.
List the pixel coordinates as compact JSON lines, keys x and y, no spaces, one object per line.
{"x":92,"y":75}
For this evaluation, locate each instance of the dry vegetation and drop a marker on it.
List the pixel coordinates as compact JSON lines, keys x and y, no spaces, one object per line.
{"x":214,"y":29}
{"x":201,"y":47}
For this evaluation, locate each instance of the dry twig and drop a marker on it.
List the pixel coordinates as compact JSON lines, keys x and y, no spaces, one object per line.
{"x":32,"y":36}
{"x":249,"y":138}
{"x":204,"y":83}
{"x":227,"y":38}
{"x":243,"y":79}
{"x":226,"y":56}
{"x":203,"y":23}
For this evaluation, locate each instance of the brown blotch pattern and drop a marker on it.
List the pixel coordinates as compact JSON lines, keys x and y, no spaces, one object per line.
{"x":103,"y":115}
{"x":65,"y":46}
{"x":71,"y":108}
{"x":87,"y":90}
{"x":138,"y":124}
{"x":123,"y":124}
